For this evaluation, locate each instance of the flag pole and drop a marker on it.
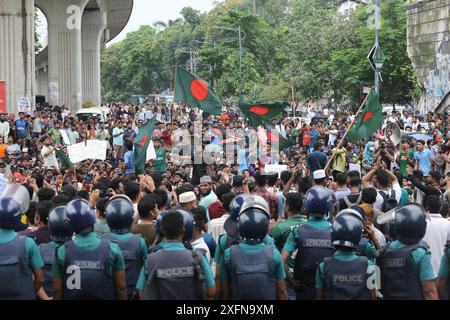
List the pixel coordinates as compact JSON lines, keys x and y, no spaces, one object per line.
{"x":346,"y":133}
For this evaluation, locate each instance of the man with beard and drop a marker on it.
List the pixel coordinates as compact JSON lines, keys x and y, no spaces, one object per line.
{"x":48,"y":154}
{"x":4,"y":128}
{"x":208,"y":195}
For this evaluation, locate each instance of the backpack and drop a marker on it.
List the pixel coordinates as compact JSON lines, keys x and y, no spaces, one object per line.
{"x":389,"y":202}
{"x":351,"y":204}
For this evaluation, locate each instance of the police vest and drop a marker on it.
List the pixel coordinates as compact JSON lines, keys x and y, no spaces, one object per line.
{"x":131,"y":251}
{"x":346,"y":280}
{"x":313,"y":246}
{"x":174,"y":275}
{"x":47,"y":251}
{"x":447,"y":254}
{"x":16,"y":276}
{"x":252,"y":274}
{"x":229,"y":241}
{"x":398,"y":278}
{"x":95,"y":281}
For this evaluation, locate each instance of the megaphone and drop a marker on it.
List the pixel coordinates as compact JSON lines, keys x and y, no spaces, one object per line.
{"x":396,"y":133}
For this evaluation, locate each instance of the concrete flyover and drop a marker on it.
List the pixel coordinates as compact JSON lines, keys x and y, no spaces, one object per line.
{"x":428,"y":42}
{"x":67,"y":72}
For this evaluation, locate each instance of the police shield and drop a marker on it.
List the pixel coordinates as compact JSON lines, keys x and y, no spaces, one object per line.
{"x":19,"y":194}
{"x":386,"y":217}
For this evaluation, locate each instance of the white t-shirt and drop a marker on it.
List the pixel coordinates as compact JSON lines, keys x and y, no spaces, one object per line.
{"x":436,"y":236}
{"x":332,"y":137}
{"x":201,"y":244}
{"x":215,"y":227}
{"x":379,"y":202}
{"x":49,"y":160}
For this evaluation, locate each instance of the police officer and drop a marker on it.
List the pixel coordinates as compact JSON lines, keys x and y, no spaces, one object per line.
{"x":20,"y":260}
{"x":174,"y":272}
{"x":119,"y":217}
{"x":313,"y":242}
{"x":252,"y":270}
{"x":231,"y":237}
{"x":60,"y":232}
{"x":406,"y":271}
{"x":87,"y":267}
{"x":345,"y":275}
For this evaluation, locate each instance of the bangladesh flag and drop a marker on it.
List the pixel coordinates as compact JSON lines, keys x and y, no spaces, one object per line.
{"x":370,"y":119}
{"x":283,"y":143}
{"x":65,"y":161}
{"x":141,"y":144}
{"x":196,"y":92}
{"x":263,"y":113}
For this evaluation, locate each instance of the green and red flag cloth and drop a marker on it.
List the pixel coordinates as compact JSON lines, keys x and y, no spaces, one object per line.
{"x":196,"y":92}
{"x":141,"y":143}
{"x":369,"y":120}
{"x":263,"y":113}
{"x":283,"y":143}
{"x":65,"y":161}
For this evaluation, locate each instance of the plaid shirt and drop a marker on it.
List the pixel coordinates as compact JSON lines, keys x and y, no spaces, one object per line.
{"x":271,"y":199}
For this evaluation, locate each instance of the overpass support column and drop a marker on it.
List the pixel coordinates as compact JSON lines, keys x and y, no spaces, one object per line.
{"x":17,"y":51}
{"x":92,"y":29}
{"x":64,"y":50}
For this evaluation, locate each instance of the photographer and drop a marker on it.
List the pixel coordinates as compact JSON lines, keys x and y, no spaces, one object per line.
{"x":386,"y":152}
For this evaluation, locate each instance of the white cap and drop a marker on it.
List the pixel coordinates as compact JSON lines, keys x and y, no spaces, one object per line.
{"x":319,"y":174}
{"x":187,"y":197}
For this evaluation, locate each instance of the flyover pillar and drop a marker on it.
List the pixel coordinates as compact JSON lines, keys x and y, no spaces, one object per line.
{"x":64,"y":50}
{"x":17,"y":52}
{"x":92,"y":29}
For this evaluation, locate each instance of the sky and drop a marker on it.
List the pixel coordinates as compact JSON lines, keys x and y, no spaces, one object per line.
{"x":146,"y":12}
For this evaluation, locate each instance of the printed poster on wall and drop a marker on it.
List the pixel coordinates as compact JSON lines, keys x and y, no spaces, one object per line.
{"x":53,"y":89}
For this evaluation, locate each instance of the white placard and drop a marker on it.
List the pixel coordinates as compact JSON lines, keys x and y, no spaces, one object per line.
{"x":354,"y":167}
{"x":65,"y":137}
{"x":23,"y":104}
{"x":96,"y":149}
{"x":275,"y":168}
{"x":77,"y":152}
{"x":151,"y":154}
{"x":53,"y":89}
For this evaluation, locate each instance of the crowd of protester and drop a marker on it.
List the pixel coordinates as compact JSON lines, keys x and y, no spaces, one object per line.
{"x":390,"y":176}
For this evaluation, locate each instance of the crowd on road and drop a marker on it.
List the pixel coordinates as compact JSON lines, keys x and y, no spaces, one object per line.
{"x":321,"y":228}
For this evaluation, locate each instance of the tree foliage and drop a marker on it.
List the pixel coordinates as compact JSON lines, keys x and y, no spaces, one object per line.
{"x":301,"y":46}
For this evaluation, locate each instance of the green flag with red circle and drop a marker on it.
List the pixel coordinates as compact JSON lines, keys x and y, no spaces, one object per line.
{"x":369,"y":121}
{"x":263,"y":113}
{"x":196,"y":92}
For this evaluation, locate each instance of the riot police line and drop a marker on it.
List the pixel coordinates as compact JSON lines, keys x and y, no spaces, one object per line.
{"x":328,"y":264}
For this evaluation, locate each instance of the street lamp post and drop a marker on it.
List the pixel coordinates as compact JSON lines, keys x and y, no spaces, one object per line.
{"x":239,"y":31}
{"x":377,"y":43}
{"x":210,"y":66}
{"x":191,"y":61}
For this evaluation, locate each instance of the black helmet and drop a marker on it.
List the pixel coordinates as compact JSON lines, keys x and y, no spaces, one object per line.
{"x":10,"y":213}
{"x":410,"y":223}
{"x":254,"y":220}
{"x":318,"y":202}
{"x":58,"y":225}
{"x":347,"y":229}
{"x":188,"y":223}
{"x":119,"y":214}
{"x":255,"y":202}
{"x":80,"y":215}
